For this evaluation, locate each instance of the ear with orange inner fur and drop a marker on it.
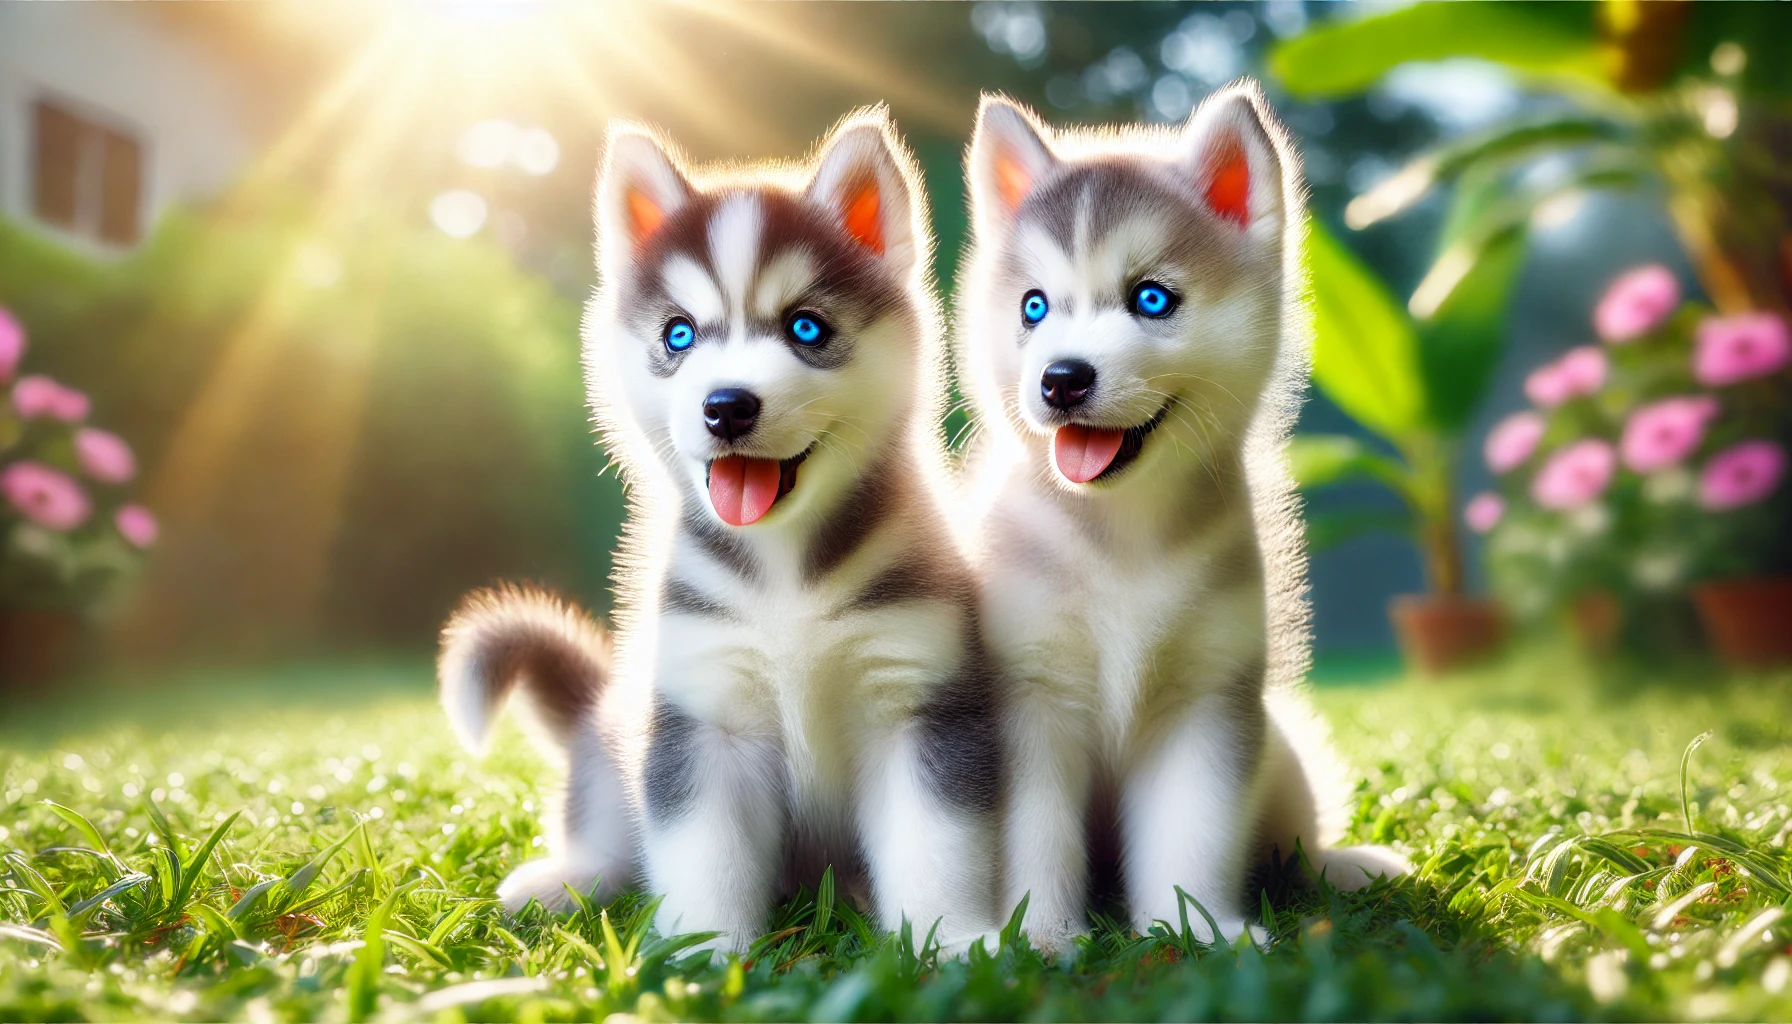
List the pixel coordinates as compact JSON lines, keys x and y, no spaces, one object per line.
{"x":644,"y":216}
{"x":1232,"y":161}
{"x":1008,"y":159}
{"x":862,"y":215}
{"x":639,"y":188}
{"x":1013,"y":180}
{"x":1229,"y":182}
{"x":860,"y":180}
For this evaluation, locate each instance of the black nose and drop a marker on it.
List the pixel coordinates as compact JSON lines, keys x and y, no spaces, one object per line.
{"x":1066,"y":383}
{"x":730,"y":412}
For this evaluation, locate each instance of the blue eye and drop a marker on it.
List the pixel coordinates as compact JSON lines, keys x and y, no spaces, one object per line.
{"x":1033,"y":307}
{"x":1153,"y":300}
{"x":808,"y":330}
{"x":679,"y":334}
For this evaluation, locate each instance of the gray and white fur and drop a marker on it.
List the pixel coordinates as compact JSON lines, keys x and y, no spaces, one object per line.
{"x":811,"y":688}
{"x":1153,"y":616}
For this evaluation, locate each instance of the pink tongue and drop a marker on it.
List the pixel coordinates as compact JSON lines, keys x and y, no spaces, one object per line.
{"x":1083,"y":452}
{"x":742,"y":489}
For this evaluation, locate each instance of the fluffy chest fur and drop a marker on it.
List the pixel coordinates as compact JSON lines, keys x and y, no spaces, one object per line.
{"x":1113,"y":632}
{"x":749,"y":642}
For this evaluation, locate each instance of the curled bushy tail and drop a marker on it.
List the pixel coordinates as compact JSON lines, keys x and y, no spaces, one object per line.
{"x":512,"y":637}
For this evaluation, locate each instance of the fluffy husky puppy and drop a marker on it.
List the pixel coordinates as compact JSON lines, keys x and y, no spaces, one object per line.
{"x":1132,"y":333}
{"x":799,"y":677}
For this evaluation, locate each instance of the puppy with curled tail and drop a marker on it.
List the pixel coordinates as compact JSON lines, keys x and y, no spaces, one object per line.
{"x":799,"y":676}
{"x":1133,"y":335}
{"x":530,"y":643}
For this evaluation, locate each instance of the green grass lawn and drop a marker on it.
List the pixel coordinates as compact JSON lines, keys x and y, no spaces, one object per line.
{"x":315,"y":846}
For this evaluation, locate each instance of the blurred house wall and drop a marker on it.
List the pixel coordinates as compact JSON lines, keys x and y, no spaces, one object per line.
{"x":133,"y":73}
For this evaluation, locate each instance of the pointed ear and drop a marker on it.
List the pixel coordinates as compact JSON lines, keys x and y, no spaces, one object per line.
{"x":862,"y":179}
{"x":639,"y":186}
{"x":1229,"y":152}
{"x":1009,"y":157}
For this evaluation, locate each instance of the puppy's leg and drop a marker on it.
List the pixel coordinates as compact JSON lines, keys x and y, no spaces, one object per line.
{"x":595,"y":844}
{"x":1044,"y":843}
{"x":715,"y":825}
{"x":928,"y":804}
{"x":1187,"y":815}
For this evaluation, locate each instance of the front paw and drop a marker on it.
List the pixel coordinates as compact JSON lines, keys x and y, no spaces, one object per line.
{"x":725,"y":936}
{"x":1231,"y":927}
{"x":952,"y":947}
{"x":1055,"y":938}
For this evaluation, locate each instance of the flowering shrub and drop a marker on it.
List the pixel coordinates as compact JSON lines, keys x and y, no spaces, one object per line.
{"x":1648,"y":463}
{"x":67,"y":531}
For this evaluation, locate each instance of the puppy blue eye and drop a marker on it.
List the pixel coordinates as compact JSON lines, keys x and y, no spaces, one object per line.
{"x":679,"y":334}
{"x":1152,"y":299}
{"x":808,"y":329}
{"x":1033,"y":307}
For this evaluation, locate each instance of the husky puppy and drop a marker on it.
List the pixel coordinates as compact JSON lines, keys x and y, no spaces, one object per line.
{"x":1133,"y":336}
{"x":799,"y":677}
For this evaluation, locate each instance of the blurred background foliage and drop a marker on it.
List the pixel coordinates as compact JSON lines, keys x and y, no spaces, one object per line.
{"x":352,"y":376}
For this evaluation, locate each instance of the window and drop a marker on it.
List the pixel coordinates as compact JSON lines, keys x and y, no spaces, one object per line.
{"x":87,"y":179}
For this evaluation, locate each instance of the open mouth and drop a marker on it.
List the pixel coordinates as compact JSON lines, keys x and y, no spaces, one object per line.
{"x":1086,"y":454}
{"x":742,"y":489}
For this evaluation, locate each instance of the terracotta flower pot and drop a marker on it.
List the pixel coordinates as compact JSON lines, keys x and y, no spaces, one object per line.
{"x":36,"y":646}
{"x":1749,"y":621}
{"x":1438,"y":633}
{"x":1596,"y":616}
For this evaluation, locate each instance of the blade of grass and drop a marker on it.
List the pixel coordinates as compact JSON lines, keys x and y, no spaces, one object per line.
{"x":1685,"y":763}
{"x":131,"y":881}
{"x":88,"y":832}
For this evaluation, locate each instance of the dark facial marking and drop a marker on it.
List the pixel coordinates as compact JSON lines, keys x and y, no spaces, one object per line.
{"x":671,"y":763}
{"x":851,"y":288}
{"x":1118,"y":190}
{"x":644,"y":306}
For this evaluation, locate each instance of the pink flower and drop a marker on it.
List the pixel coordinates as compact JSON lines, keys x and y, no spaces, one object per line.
{"x":1662,"y":433}
{"x":1512,"y":440}
{"x":37,"y":395}
{"x":1737,"y":348}
{"x":1484,"y":511}
{"x":137,"y":524}
{"x":104,"y":456}
{"x":1547,"y":387}
{"x":1635,"y":303}
{"x":1741,"y":475}
{"x":48,"y":497}
{"x":1575,"y":475}
{"x":1583,"y":370}
{"x":1580,"y":371}
{"x":12,"y":344}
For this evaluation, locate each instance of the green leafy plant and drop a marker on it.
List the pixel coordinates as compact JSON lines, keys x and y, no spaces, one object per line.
{"x":1412,"y":382}
{"x":1688,"y":101}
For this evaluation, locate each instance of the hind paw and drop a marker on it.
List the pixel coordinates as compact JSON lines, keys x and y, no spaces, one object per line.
{"x":1354,"y":867}
{"x":546,"y":881}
